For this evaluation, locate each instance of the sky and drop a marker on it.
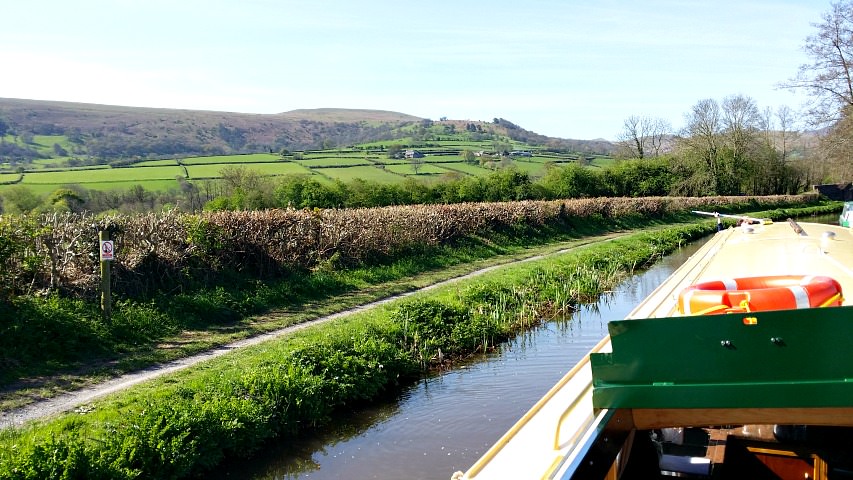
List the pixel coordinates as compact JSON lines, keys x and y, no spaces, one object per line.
{"x":562,"y":68}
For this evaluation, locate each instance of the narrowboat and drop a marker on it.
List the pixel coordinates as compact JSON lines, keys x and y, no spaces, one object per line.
{"x":739,"y":365}
{"x":846,"y":217}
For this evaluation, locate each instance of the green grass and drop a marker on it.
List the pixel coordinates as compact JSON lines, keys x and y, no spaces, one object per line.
{"x":150,"y":185}
{"x":333,"y":162}
{"x":8,"y":177}
{"x":602,"y":162}
{"x":373,"y":174}
{"x":424,"y":169}
{"x":277,"y":168}
{"x":469,"y":169}
{"x":533,"y":169}
{"x":156,"y":163}
{"x":129,"y":174}
{"x":227,"y":159}
{"x":393,"y":161}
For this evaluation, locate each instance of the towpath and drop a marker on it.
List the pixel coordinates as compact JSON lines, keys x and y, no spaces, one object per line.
{"x":79,"y":398}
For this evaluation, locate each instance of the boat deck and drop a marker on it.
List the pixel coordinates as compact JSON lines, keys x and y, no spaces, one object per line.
{"x":552,"y":437}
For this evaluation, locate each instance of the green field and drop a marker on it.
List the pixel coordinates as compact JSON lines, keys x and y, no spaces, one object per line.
{"x":103,"y":175}
{"x":8,"y":177}
{"x":340,"y":164}
{"x":372,"y":174}
{"x":602,"y":162}
{"x":267,"y":169}
{"x":250,"y":158}
{"x":156,"y":163}
{"x":333,"y":162}
{"x":468,"y":169}
{"x":150,"y":185}
{"x":424,"y":169}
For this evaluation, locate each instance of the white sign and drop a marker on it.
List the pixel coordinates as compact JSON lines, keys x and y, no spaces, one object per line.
{"x":107,"y":250}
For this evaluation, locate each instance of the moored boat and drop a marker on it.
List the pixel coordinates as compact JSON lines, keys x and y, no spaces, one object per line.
{"x":737,"y":366}
{"x":846,"y":217}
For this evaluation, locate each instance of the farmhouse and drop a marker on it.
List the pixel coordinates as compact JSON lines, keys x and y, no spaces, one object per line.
{"x":414,"y":154}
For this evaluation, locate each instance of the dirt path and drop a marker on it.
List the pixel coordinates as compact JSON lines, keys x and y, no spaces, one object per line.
{"x":71,"y":400}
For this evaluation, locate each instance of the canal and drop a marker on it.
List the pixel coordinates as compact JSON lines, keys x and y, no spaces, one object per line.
{"x":445,"y":422}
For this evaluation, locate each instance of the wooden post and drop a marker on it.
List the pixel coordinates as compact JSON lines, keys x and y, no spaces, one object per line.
{"x":106,"y":300}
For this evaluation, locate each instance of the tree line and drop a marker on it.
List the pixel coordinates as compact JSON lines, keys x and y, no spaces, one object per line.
{"x":734,"y":147}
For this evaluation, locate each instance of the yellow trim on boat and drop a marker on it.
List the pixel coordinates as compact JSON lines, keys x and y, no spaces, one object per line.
{"x":496,"y":448}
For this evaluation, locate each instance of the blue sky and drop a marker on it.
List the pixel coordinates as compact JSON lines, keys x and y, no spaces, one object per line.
{"x":568,"y":68}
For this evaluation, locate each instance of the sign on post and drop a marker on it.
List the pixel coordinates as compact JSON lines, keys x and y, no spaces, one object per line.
{"x":107,"y":250}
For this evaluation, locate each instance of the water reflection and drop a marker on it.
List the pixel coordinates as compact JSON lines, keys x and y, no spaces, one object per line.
{"x":446,"y":422}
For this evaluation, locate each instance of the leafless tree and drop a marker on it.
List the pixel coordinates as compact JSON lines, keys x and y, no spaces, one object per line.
{"x":698,"y":146}
{"x":827,"y":79}
{"x":643,"y":137}
{"x":788,"y":132}
{"x":741,"y":122}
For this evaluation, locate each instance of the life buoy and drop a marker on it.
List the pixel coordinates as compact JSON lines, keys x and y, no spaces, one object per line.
{"x":753,"y":294}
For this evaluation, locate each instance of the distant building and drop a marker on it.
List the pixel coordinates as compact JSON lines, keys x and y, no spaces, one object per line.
{"x":836,"y":191}
{"x":414,"y":154}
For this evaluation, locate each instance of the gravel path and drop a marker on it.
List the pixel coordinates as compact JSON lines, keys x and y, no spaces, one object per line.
{"x":71,"y":400}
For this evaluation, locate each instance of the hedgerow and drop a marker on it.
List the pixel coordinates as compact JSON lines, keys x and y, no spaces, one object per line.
{"x":174,"y":251}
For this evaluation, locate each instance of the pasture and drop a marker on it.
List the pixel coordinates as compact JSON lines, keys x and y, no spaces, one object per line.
{"x":103,"y":175}
{"x":424,"y":169}
{"x":367,"y":161}
{"x":214,"y":170}
{"x":372,"y":174}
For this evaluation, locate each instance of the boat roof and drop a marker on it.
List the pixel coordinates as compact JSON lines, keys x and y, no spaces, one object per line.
{"x":780,"y":248}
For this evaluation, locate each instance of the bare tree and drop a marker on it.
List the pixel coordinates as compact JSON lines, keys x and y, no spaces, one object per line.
{"x":741,"y":122}
{"x":643,"y":137}
{"x":698,"y":146}
{"x":827,"y":79}
{"x":788,"y":132}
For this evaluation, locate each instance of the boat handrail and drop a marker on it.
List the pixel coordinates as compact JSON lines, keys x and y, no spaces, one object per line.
{"x":498,"y":446}
{"x":566,"y":413}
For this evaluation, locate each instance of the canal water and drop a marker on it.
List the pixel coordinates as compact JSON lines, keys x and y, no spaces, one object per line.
{"x":447,"y":421}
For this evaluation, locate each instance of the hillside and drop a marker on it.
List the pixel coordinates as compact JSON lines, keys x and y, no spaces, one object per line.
{"x":107,"y":132}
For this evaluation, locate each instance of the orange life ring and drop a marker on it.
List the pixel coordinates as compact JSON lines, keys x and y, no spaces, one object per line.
{"x":752,"y":294}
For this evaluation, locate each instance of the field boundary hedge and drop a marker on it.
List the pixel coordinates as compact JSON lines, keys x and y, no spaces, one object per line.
{"x":164,"y":251}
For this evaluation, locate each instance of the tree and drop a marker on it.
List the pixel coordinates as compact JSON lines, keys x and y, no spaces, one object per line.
{"x":469,"y":156}
{"x":417,"y":163}
{"x":65,"y":200}
{"x":20,"y":199}
{"x":59,"y":151}
{"x":788,"y":132}
{"x":828,"y":78}
{"x":395,"y":151}
{"x":700,"y":142}
{"x":642,"y":137}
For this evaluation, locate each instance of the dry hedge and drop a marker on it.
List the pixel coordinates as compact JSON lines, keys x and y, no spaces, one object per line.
{"x":160,"y":251}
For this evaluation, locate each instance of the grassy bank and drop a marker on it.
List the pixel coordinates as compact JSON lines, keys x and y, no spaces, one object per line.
{"x":185,"y":424}
{"x":53,"y":343}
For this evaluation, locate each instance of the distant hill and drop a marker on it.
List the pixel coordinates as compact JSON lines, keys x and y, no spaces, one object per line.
{"x":348,"y":115}
{"x":108,"y":132}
